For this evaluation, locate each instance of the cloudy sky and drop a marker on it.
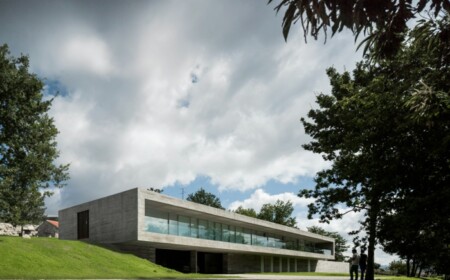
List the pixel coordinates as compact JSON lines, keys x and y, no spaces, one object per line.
{"x":179,"y":95}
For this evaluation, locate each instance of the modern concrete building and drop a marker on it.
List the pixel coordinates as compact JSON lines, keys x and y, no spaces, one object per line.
{"x":191,"y":237}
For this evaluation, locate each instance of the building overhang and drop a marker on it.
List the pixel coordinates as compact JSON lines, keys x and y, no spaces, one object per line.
{"x":173,"y":242}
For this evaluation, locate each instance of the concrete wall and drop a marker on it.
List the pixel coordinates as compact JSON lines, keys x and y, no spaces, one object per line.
{"x":247,"y":263}
{"x":327,"y":266}
{"x":141,"y":251}
{"x":112,"y":219}
{"x":241,"y":263}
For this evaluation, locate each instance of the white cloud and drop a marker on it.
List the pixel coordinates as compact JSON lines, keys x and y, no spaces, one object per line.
{"x":133,"y":116}
{"x":259,"y":197}
{"x":85,"y":53}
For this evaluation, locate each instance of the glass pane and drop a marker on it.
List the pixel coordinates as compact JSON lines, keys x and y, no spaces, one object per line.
{"x":194,"y":228}
{"x":202,"y":229}
{"x":259,"y":239}
{"x":184,"y":228}
{"x":239,"y":235}
{"x":210,"y":230}
{"x":247,"y":236}
{"x":173,"y":224}
{"x":157,"y":222}
{"x":218,"y":231}
{"x":232,"y":234}
{"x":225,"y":233}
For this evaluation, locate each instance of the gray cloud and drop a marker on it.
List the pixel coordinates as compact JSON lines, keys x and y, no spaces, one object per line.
{"x":133,"y":116}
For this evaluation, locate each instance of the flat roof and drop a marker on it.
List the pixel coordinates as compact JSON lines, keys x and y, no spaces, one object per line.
{"x":182,"y":207}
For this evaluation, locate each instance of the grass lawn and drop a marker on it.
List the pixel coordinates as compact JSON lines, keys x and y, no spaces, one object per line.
{"x":306,"y":273}
{"x":54,"y":258}
{"x":379,"y":277}
{"x":388,"y":277}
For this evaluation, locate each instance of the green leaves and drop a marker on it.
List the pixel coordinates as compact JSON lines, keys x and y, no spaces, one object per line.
{"x":340,"y":244}
{"x":384,"y":22}
{"x":279,"y":213}
{"x":203,"y":197}
{"x":250,"y":212}
{"x":386,"y":130}
{"x":27,"y":143}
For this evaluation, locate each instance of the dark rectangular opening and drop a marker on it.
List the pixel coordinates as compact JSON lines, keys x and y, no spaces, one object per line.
{"x":178,"y":260}
{"x":83,"y":224}
{"x":210,"y":263}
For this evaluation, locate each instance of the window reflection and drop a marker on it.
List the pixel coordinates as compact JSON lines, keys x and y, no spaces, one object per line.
{"x":169,"y":223}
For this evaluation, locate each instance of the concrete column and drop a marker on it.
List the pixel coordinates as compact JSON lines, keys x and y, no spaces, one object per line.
{"x":309,"y":266}
{"x":271,"y":263}
{"x":295,"y":265}
{"x":262,"y":263}
{"x":194,"y":262}
{"x":289,"y":265}
{"x":281,"y":264}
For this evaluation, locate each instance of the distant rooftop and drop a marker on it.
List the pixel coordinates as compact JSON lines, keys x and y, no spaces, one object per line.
{"x":54,"y":223}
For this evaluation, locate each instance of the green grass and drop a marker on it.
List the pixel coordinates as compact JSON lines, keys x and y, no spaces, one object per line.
{"x":379,"y":277}
{"x":388,"y":277}
{"x":54,"y":258}
{"x":305,"y":273}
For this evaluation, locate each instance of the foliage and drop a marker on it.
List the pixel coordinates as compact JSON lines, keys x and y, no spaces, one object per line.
{"x":384,"y":22}
{"x":340,"y":244}
{"x":397,"y":267}
{"x":27,"y":144}
{"x":246,"y":211}
{"x":206,"y":198}
{"x":156,"y":190}
{"x":386,"y":131}
{"x":279,"y":213}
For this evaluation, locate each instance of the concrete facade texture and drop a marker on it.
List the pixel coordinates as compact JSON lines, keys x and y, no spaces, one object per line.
{"x":112,"y":219}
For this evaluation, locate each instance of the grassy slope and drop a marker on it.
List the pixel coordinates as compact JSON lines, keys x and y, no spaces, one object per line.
{"x":54,"y":258}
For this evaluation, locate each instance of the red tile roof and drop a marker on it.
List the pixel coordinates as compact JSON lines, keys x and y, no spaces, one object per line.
{"x":54,"y":223}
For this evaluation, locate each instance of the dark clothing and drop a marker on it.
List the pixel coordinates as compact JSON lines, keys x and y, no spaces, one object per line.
{"x":354,"y":271}
{"x":363,"y":265}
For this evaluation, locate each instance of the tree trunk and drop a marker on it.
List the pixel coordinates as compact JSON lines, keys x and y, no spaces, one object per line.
{"x":407,"y":266}
{"x":420,"y":271}
{"x":413,"y":269}
{"x":373,"y":211}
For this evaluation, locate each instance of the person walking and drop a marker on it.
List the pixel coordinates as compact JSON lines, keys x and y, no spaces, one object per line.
{"x":354,"y":265}
{"x":362,"y":263}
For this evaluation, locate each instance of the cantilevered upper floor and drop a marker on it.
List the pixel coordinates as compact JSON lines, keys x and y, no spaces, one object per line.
{"x":138,"y":216}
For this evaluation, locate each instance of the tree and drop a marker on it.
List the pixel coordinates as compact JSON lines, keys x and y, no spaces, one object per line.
{"x":205,"y":198}
{"x":246,"y":211}
{"x":397,"y":267}
{"x":386,"y":130}
{"x":27,"y":144}
{"x":340,"y":244}
{"x":279,"y":213}
{"x":385,"y":22}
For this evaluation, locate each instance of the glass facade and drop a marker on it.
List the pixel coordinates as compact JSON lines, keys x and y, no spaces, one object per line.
{"x":168,"y":223}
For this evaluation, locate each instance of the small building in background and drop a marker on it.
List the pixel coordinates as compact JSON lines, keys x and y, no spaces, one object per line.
{"x":48,"y":228}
